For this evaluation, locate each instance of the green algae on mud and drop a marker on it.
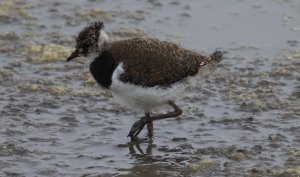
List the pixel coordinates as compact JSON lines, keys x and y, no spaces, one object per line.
{"x":46,"y":53}
{"x":11,"y":10}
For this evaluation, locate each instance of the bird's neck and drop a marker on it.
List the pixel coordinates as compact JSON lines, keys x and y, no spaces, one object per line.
{"x":102,"y":42}
{"x":102,"y":68}
{"x":91,"y":57}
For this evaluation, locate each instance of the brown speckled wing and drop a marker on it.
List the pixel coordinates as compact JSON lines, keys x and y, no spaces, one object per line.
{"x":151,"y":62}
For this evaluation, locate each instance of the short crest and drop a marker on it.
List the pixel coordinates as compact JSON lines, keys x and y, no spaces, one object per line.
{"x":89,"y":35}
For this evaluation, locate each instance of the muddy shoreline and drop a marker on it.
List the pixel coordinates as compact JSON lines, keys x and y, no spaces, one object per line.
{"x":243,"y":119}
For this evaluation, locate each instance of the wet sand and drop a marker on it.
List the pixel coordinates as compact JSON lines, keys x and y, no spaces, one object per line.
{"x":243,"y":119}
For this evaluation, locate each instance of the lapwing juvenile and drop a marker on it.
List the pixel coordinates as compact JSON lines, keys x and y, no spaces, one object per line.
{"x":141,"y":73}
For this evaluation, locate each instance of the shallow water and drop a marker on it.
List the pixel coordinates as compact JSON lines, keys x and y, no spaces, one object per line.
{"x":240,"y":120}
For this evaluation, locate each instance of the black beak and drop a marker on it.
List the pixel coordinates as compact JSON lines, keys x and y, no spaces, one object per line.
{"x":73,"y":55}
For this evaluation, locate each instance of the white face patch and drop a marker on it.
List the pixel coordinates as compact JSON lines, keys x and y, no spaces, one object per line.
{"x":103,"y":39}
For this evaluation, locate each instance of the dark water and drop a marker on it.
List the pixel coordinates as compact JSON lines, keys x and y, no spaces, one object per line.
{"x":241,"y":120}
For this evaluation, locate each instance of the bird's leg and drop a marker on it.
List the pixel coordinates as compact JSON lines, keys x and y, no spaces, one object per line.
{"x":149,"y":125}
{"x":144,"y":120}
{"x":177,"y":112}
{"x":138,"y":126}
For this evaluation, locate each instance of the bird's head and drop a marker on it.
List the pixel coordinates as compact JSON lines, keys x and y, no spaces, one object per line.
{"x":89,"y":41}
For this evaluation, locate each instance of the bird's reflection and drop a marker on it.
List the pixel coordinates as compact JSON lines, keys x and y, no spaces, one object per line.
{"x":135,"y":146}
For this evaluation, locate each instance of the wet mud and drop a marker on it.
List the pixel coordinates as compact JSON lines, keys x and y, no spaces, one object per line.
{"x":243,"y":119}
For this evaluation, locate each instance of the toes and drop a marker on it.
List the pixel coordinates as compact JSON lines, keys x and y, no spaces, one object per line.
{"x":137,"y":127}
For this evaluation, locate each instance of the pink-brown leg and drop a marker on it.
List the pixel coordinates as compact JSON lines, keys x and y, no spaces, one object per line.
{"x":138,"y":126}
{"x":177,"y":112}
{"x":149,"y":126}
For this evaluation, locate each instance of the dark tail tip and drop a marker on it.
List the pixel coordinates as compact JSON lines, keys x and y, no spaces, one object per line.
{"x":217,"y":56}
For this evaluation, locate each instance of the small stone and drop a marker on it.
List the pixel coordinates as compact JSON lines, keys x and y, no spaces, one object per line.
{"x":204,"y":165}
{"x":10,"y":35}
{"x":237,"y":156}
{"x":179,"y":139}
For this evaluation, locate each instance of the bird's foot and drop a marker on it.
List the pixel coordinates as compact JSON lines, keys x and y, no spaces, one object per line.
{"x":138,"y":126}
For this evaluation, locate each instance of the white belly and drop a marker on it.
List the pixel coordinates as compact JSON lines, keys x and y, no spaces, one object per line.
{"x":143,"y":98}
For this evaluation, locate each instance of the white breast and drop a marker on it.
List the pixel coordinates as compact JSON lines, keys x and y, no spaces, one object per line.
{"x":143,"y":98}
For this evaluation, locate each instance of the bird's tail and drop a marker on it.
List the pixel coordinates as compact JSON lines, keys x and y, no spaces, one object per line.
{"x":212,"y":59}
{"x":215,"y":57}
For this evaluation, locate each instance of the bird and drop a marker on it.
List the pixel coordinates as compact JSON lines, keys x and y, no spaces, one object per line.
{"x":142,"y":73}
